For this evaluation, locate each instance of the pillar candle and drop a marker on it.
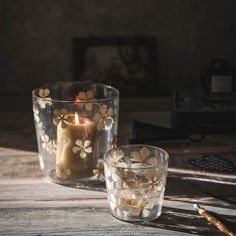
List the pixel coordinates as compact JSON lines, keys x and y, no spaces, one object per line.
{"x":75,"y":147}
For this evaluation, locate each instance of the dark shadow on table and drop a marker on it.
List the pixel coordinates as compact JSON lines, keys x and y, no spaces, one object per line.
{"x":188,"y":221}
{"x":178,"y":189}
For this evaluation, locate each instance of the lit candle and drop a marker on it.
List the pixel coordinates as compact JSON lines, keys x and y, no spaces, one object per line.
{"x":75,"y":147}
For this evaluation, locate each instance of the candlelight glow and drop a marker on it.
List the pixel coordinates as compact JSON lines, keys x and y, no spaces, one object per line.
{"x":76,"y":118}
{"x":77,"y":99}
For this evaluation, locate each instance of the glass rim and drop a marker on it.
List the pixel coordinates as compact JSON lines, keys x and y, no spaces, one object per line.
{"x":110,"y":98}
{"x":138,"y":145}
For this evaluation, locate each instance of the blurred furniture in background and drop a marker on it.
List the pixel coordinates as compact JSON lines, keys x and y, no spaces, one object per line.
{"x":203,"y":112}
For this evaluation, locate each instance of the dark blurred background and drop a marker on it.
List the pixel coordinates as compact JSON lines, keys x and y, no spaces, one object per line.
{"x":36,"y":39}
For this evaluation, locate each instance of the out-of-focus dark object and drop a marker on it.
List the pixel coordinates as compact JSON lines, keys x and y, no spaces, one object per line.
{"x":204,"y":112}
{"x":145,"y":133}
{"x":218,"y":78}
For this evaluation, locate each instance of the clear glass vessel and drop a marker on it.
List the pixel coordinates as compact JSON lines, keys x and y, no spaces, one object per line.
{"x":76,"y":123}
{"x":135,"y":180}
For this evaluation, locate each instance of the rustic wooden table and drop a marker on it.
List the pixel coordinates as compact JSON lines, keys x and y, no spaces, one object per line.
{"x":30,"y":205}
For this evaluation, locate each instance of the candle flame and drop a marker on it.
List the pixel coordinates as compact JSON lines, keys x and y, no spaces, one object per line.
{"x":76,"y":118}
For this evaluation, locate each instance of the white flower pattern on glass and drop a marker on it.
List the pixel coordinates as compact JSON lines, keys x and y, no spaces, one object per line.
{"x":83,"y":148}
{"x":103,"y":118}
{"x":118,"y":205}
{"x":52,"y":147}
{"x":136,"y":189}
{"x":99,"y":171}
{"x":154,"y":177}
{"x":86,"y":99}
{"x":142,"y":159}
{"x":124,"y":178}
{"x":48,"y":145}
{"x":44,"y":98}
{"x":60,"y":117}
{"x":128,"y":203}
{"x":62,"y":172}
{"x":115,"y":158}
{"x":140,"y":206}
{"x":45,"y":140}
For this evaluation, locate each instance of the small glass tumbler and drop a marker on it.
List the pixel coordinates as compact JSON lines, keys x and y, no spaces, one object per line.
{"x":135,"y":180}
{"x":76,"y":123}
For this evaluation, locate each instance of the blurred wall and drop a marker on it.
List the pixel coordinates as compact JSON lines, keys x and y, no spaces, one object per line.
{"x":36,"y":37}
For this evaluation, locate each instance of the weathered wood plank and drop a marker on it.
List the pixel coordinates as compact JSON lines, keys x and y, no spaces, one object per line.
{"x":30,"y":205}
{"x":8,"y":152}
{"x":178,"y":188}
{"x":94,"y":218}
{"x":42,"y":190}
{"x":38,"y":207}
{"x":21,"y":165}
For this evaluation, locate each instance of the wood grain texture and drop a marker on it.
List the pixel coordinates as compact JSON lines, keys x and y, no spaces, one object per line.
{"x":91,"y":217}
{"x":37,"y":207}
{"x":31,"y":205}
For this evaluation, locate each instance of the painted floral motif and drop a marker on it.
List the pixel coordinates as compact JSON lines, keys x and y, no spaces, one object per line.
{"x":45,"y":140}
{"x":154,"y":179}
{"x":45,"y":99}
{"x":62,"y":172}
{"x":99,"y":171}
{"x":137,"y":189}
{"x":60,"y":117}
{"x":118,"y":205}
{"x":124,"y":178}
{"x":115,"y":158}
{"x":83,"y":148}
{"x":86,"y":98}
{"x":37,"y":119}
{"x":114,"y":141}
{"x":103,"y":118}
{"x":137,"y":206}
{"x":52,"y":147}
{"x":128,"y":203}
{"x":48,"y":145}
{"x":142,"y":159}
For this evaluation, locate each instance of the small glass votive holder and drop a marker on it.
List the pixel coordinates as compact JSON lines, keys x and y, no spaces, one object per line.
{"x":135,"y":180}
{"x":76,"y":123}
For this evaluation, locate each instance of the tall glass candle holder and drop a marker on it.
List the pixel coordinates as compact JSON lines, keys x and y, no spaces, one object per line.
{"x":135,"y":181}
{"x":76,"y":123}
